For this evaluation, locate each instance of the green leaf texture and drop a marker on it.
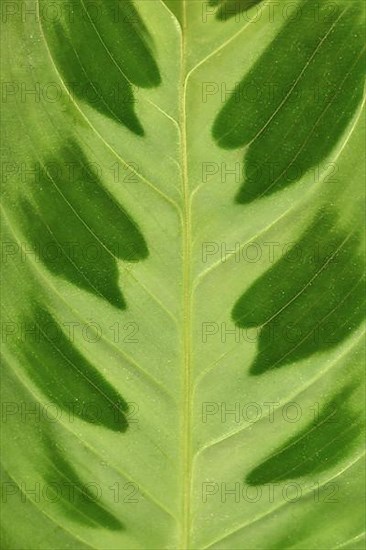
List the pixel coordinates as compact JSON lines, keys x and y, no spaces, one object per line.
{"x":183,"y":275}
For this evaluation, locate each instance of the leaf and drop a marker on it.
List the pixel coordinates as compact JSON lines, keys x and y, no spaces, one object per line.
{"x":305,"y":93}
{"x":52,"y":357}
{"x":79,"y":502}
{"x":183,"y":274}
{"x":74,"y":247}
{"x":122,"y":49}
{"x":314,"y":449}
{"x":314,"y":289}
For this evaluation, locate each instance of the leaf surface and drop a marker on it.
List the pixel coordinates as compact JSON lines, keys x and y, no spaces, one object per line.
{"x":183,"y":304}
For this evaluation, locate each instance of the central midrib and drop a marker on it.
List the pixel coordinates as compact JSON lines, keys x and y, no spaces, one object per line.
{"x":187,"y":287}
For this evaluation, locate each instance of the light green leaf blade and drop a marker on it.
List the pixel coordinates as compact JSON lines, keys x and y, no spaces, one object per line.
{"x":145,"y":403}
